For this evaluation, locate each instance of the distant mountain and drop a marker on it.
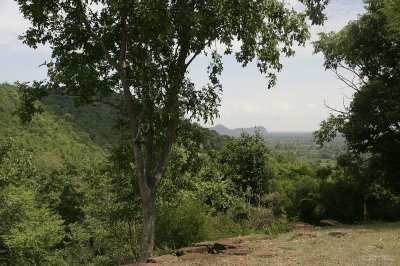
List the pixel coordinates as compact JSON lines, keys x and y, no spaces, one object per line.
{"x":222,"y":130}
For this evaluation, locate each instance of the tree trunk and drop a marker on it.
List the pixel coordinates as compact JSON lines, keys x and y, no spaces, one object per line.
{"x":149,"y":223}
{"x":365,"y":211}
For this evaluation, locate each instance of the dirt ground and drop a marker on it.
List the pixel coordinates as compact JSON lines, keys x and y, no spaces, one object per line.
{"x":373,"y":244}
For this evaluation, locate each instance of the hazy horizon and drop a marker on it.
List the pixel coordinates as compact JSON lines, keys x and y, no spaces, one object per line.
{"x":268,"y":131}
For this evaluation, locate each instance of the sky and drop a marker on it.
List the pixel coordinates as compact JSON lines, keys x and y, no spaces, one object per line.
{"x":295,"y":104}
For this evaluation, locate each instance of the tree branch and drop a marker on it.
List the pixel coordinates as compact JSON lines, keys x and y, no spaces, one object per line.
{"x":149,"y":152}
{"x":124,"y":41}
{"x":166,"y":151}
{"x":134,"y":122}
{"x":94,"y":35}
{"x":346,"y":81}
{"x":344,"y":105}
{"x":173,"y":120}
{"x":197,"y":53}
{"x":106,"y":103}
{"x":352,"y":71}
{"x":334,"y":109}
{"x":99,"y":100}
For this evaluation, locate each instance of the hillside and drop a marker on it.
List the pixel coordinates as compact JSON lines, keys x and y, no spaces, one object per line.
{"x":64,"y":130}
{"x":53,"y":139}
{"x":222,"y":130}
{"x":96,"y":120}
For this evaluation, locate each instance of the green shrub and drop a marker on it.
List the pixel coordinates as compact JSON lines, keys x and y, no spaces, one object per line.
{"x":244,"y":219}
{"x":276,"y":226}
{"x":254,"y":217}
{"x":342,"y":201}
{"x":183,"y":222}
{"x":385,"y":206}
{"x":30,"y":233}
{"x":277,"y":202}
{"x":311,"y":209}
{"x":242,"y":161}
{"x":217,"y":194}
{"x":101,"y":242}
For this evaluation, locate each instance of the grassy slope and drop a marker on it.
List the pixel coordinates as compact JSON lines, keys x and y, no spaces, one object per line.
{"x":377,"y":244}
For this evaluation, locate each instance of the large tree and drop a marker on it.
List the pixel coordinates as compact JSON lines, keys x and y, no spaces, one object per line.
{"x":369,"y":48}
{"x":142,"y":49}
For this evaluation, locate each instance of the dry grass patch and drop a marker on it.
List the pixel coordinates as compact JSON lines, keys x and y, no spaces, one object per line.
{"x":373,"y":244}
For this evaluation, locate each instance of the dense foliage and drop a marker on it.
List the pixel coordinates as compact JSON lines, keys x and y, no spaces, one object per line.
{"x":60,"y":206}
{"x":369,"y":48}
{"x":141,"y":52}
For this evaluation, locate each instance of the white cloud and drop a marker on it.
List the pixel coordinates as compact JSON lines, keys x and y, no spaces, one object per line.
{"x":17,"y":60}
{"x":12,"y":24}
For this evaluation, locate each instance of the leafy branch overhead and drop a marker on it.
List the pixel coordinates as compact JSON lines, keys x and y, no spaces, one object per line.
{"x":91,"y":42}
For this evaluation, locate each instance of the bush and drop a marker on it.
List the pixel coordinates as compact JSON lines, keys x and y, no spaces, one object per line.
{"x":311,"y":209}
{"x":216,"y":193}
{"x":183,"y":222}
{"x":100,"y":242}
{"x":243,"y":219}
{"x":342,"y":201}
{"x":384,"y":206}
{"x":243,"y":162}
{"x":30,"y":233}
{"x":246,"y":214}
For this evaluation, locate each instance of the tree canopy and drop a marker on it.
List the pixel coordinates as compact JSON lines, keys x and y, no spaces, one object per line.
{"x":142,"y":50}
{"x":370,"y":49}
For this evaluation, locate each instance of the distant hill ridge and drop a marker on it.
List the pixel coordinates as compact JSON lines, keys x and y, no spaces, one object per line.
{"x":223,"y":130}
